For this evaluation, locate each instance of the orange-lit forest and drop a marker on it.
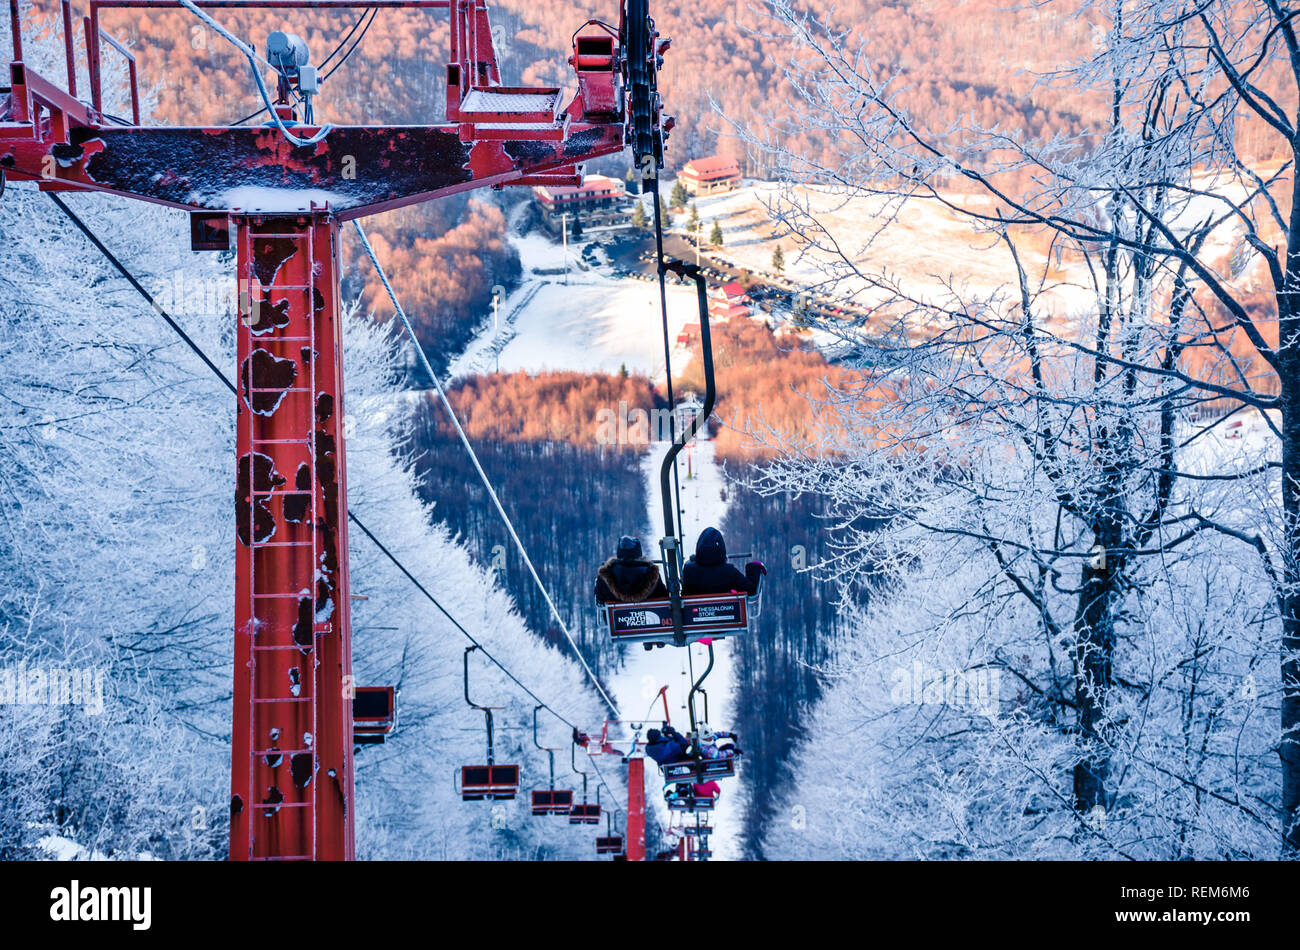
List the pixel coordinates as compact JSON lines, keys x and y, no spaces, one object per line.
{"x":443,"y":258}
{"x":562,"y":406}
{"x":768,"y":389}
{"x":767,"y":385}
{"x":975,"y":59}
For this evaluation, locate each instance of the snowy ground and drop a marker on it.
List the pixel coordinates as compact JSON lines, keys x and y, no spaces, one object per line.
{"x":1242,"y":442}
{"x":593,"y":323}
{"x":939,"y":244}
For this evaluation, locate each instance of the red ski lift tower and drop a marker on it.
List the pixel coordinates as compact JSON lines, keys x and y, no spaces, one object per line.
{"x":636,"y":809}
{"x":281,"y":190}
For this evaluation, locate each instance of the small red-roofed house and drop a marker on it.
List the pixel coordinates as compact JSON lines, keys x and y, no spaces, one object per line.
{"x":728,"y":301}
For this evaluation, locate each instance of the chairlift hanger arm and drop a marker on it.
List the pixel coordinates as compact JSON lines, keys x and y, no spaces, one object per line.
{"x":700,"y":419}
{"x":550,"y":753}
{"x":670,"y":545}
{"x":662,"y":694}
{"x":536,"y":710}
{"x":697,"y":688}
{"x":486,"y":710}
{"x":573,"y":765}
{"x":468,"y":651}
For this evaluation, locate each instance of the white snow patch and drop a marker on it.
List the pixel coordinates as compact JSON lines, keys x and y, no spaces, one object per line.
{"x":260,"y":198}
{"x":59,"y":848}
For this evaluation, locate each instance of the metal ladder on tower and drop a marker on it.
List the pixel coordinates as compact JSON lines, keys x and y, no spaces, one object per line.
{"x":284,"y":695}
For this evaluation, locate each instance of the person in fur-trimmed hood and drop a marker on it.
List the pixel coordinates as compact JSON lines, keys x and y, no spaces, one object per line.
{"x":627,"y":577}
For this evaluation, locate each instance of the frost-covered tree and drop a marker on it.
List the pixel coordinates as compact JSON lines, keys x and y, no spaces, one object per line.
{"x":1031,"y":473}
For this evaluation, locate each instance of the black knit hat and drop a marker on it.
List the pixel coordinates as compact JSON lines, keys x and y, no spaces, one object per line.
{"x":629,"y":549}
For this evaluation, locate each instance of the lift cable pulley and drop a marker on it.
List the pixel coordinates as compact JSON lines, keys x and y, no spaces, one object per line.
{"x":253,"y":59}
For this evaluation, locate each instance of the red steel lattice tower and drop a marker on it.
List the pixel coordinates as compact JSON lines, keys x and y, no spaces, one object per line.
{"x":636,"y":809}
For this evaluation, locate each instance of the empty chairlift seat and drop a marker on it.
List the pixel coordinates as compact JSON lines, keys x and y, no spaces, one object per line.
{"x":374,"y":714}
{"x":702,"y":771}
{"x":698,"y":831}
{"x":483,"y":782}
{"x":610,"y":845}
{"x":584,"y":814}
{"x":710,"y":615}
{"x":552,"y":801}
{"x":690,"y":802}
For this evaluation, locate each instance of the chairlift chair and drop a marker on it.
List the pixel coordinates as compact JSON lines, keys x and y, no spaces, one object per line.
{"x":608,"y":737}
{"x":374,"y":714}
{"x":583,"y":813}
{"x":490,"y":782}
{"x":699,"y":771}
{"x":713,"y":616}
{"x":550,"y":800}
{"x":689,"y":802}
{"x":610,"y":842}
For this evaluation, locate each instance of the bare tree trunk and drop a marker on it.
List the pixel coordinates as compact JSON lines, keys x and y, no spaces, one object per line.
{"x":1094,"y":651}
{"x":1288,"y":370}
{"x":1094,"y":637}
{"x":1289,"y":744}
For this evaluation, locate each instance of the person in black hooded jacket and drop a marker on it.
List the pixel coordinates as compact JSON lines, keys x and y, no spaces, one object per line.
{"x":627,"y":577}
{"x":708,"y":572}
